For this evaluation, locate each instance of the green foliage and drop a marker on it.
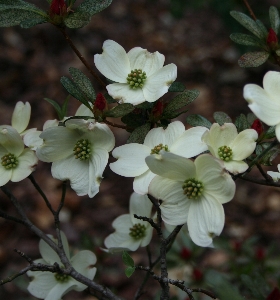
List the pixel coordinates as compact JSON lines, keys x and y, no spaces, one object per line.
{"x":198,"y":120}
{"x":18,"y":12}
{"x":241,"y":123}
{"x":133,"y":119}
{"x":274,"y":18}
{"x":270,"y":133}
{"x":138,"y":135}
{"x":83,"y":82}
{"x":246,"y":39}
{"x":77,"y":19}
{"x":171,"y":111}
{"x":109,"y":99}
{"x":221,"y":117}
{"x":256,"y":285}
{"x":253,"y":59}
{"x":251,"y":118}
{"x":61,"y":111}
{"x":128,"y":261}
{"x":176,"y":87}
{"x":120,"y":110}
{"x":267,"y":159}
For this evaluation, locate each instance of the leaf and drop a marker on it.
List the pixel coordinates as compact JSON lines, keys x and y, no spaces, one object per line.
{"x":133,"y":120}
{"x":248,"y":23}
{"x":32,"y":22}
{"x":253,"y":59}
{"x":270,"y":133}
{"x":251,"y":118}
{"x":93,"y":7}
{"x":221,"y":117}
{"x":198,"y":120}
{"x":138,"y":135}
{"x":77,"y":19}
{"x":241,"y":123}
{"x":129,"y":271}
{"x":178,"y":102}
{"x":274,"y":18}
{"x":83,"y":82}
{"x":120,"y":110}
{"x":74,"y":90}
{"x":176,"y":87}
{"x":65,"y":106}
{"x":262,"y":28}
{"x":267,"y":159}
{"x":246,"y":39}
{"x":56,"y":107}
{"x":127,"y":259}
{"x":109,"y":99}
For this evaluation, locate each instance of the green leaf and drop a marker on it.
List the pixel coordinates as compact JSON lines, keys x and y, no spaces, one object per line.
{"x":274,"y":18}
{"x":145,"y":105}
{"x":120,"y":110}
{"x":251,"y":118}
{"x":77,"y":19}
{"x":198,"y":120}
{"x":270,"y":133}
{"x":127,"y":259}
{"x":267,"y":159}
{"x":246,"y":39}
{"x":74,"y":90}
{"x":93,"y":7}
{"x":133,"y":120}
{"x":109,"y":99}
{"x":263,"y":29}
{"x":248,"y":23}
{"x":129,"y":271}
{"x":32,"y":22}
{"x":56,"y":107}
{"x":138,"y":135}
{"x":176,"y":87}
{"x":241,"y":123}
{"x":178,"y":102}
{"x":221,"y":117}
{"x":83,"y":82}
{"x":253,"y":59}
{"x":65,"y":106}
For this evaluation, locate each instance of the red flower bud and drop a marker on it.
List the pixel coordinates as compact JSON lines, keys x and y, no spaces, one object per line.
{"x":58,"y":7}
{"x":257,"y":125}
{"x":236,"y":245}
{"x":260,"y":253}
{"x":274,"y":295}
{"x":185,"y":253}
{"x":158,"y":109}
{"x":272,"y":39}
{"x":100,"y":102}
{"x":197,"y":275}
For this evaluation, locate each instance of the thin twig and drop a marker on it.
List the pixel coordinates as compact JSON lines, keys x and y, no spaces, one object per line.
{"x":10,"y":218}
{"x":266,"y":177}
{"x":250,"y":10}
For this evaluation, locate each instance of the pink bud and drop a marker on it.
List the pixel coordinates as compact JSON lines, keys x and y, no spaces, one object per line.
{"x":260,"y":253}
{"x":158,"y":109}
{"x":185,"y":253}
{"x":272,"y":39}
{"x":58,"y":7}
{"x":197,"y":275}
{"x":274,"y":295}
{"x":257,"y":125}
{"x":100,"y":102}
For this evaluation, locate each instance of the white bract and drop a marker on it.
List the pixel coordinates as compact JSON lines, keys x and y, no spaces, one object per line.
{"x":131,"y":233}
{"x":21,"y":117}
{"x":275,"y":175}
{"x":265,"y":102}
{"x":138,"y":75}
{"x":131,"y":157}
{"x":225,"y":143}
{"x":192,"y":193}
{"x":52,"y":286}
{"x":79,"y":152}
{"x":16,"y":162}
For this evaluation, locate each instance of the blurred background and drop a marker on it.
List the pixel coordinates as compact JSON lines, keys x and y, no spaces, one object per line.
{"x":195,"y":36}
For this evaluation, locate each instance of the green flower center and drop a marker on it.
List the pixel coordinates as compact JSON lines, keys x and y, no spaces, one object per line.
{"x":225,"y":153}
{"x":62,"y":278}
{"x":136,"y":78}
{"x":137,"y":231}
{"x":9,"y":161}
{"x":82,"y":149}
{"x":193,"y":188}
{"x":159,"y":147}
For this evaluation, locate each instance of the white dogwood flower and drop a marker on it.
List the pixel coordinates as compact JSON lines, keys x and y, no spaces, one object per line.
{"x":79,"y":153}
{"x":175,"y":138}
{"x":192,"y":193}
{"x":138,"y":75}
{"x":131,"y":233}
{"x":265,"y":102}
{"x":225,"y":143}
{"x":16,"y":162}
{"x":21,"y":117}
{"x":275,"y":175}
{"x":52,"y":286}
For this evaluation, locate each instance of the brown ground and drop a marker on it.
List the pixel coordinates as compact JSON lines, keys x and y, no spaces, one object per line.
{"x":32,"y":62}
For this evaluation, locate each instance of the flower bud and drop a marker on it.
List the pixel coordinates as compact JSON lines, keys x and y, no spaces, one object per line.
{"x":274,"y":295}
{"x":185,"y":253}
{"x":100,"y":105}
{"x":197,"y":275}
{"x":272,"y":39}
{"x":58,"y":7}
{"x":257,"y":125}
{"x":158,"y":109}
{"x":260,"y":253}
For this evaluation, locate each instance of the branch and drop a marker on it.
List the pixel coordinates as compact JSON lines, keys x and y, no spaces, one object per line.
{"x":10,"y":218}
{"x":250,"y":10}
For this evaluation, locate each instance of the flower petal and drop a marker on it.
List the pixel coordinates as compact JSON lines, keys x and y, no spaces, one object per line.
{"x":166,"y":136}
{"x":142,"y":59}
{"x":171,"y":166}
{"x":217,"y":182}
{"x":123,"y":93}
{"x":206,"y":219}
{"x":32,"y":139}
{"x":189,"y":143}
{"x":61,"y":289}
{"x":262,"y":105}
{"x":27,"y":163}
{"x":271,"y":82}
{"x":5,"y":175}
{"x":141,"y":206}
{"x":158,"y":84}
{"x":131,"y":160}
{"x":11,"y":140}
{"x":121,"y":240}
{"x":145,"y":241}
{"x":141,"y":183}
{"x":84,"y":111}
{"x":236,"y":167}
{"x":21,"y":116}
{"x":244,"y":144}
{"x":113,"y":63}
